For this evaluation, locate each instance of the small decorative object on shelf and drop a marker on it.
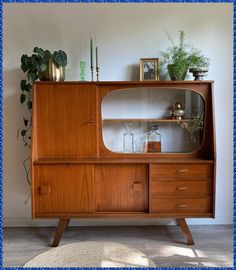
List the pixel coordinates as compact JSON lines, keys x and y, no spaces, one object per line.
{"x":153,"y":141}
{"x":91,"y":58}
{"x":198,"y":73}
{"x":128,"y":139}
{"x":194,"y":125}
{"x":177,"y":111}
{"x":178,"y":58}
{"x":82,"y":70}
{"x":148,"y":69}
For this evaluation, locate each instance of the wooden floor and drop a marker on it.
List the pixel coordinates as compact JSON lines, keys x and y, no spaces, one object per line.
{"x":165,"y":245}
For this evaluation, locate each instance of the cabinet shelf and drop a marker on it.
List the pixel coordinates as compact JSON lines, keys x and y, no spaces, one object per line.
{"x":143,"y":120}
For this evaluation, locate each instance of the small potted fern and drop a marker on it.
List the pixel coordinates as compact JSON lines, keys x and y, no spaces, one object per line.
{"x":178,"y":58}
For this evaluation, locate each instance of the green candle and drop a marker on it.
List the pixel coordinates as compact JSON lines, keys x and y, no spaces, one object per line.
{"x":91,"y":51}
{"x":96,"y":56}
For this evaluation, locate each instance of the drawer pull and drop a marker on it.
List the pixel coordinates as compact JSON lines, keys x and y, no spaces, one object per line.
{"x":44,"y":189}
{"x":181,"y":205}
{"x":181,"y":188}
{"x":137,"y":187}
{"x":182,"y":171}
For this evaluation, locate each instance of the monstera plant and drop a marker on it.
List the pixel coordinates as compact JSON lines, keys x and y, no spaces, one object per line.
{"x":45,"y":66}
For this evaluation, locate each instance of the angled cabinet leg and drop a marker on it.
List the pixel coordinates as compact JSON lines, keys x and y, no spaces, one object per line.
{"x":62,"y":224}
{"x":185,"y":229}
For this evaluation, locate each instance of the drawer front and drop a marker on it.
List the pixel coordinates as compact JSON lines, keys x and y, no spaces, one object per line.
{"x":181,"y":187}
{"x":181,"y":205}
{"x":181,"y":170}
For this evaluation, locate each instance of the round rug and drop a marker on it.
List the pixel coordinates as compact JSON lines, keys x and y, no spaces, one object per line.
{"x":92,"y":254}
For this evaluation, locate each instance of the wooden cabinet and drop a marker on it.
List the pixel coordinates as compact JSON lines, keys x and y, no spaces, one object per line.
{"x":81,"y":170}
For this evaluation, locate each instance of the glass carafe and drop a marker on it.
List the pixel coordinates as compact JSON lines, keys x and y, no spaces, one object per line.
{"x":128,"y":139}
{"x":153,"y":141}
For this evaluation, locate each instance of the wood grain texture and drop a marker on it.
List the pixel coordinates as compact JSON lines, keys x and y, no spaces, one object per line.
{"x":65,"y":119}
{"x":181,"y":170}
{"x":71,"y":189}
{"x":116,"y":187}
{"x":62,"y":224}
{"x":185,"y":229}
{"x":166,"y":204}
{"x":185,"y":187}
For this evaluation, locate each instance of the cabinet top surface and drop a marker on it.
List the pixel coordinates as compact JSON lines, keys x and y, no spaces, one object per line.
{"x":126,"y":82}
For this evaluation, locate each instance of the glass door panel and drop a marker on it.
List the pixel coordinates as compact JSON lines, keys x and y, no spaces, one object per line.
{"x":149,"y":120}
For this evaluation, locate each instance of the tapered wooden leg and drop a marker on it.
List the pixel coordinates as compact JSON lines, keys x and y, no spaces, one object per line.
{"x":185,"y":229}
{"x":62,"y":224}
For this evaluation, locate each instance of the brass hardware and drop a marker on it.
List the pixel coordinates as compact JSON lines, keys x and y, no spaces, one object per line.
{"x":53,"y":72}
{"x":45,"y":189}
{"x":97,"y":73}
{"x":91,"y":121}
{"x":181,"y":205}
{"x":181,"y":188}
{"x":182,"y":171}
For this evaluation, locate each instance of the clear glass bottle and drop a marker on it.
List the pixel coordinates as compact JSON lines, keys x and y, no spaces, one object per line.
{"x":153,"y":141}
{"x":128,"y":139}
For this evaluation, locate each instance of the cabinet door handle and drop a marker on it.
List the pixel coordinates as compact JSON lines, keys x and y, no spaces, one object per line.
{"x":90,"y":121}
{"x":181,"y":205}
{"x":182,"y":170}
{"x":181,"y":188}
{"x":45,"y":189}
{"x":137,"y":187}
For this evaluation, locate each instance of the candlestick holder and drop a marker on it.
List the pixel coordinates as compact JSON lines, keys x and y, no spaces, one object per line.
{"x":97,"y":73}
{"x":92,"y":67}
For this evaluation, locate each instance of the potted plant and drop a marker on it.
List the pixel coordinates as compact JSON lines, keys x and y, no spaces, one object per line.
{"x":178,"y":58}
{"x":42,"y":65}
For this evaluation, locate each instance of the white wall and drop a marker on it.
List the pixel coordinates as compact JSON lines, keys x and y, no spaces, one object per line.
{"x":124,"y":33}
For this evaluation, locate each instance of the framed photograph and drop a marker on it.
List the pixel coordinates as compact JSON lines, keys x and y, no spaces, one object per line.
{"x":149,"y":69}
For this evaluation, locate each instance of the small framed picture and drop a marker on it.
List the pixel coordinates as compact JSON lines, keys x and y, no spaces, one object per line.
{"x":149,"y":69}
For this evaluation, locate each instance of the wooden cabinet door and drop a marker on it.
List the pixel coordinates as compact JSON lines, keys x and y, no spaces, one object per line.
{"x":62,"y":190}
{"x":64,"y":122}
{"x":121,"y":188}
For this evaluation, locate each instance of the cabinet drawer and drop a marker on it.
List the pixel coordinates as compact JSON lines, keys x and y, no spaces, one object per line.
{"x":181,"y":170}
{"x":181,"y":187}
{"x":181,"y":205}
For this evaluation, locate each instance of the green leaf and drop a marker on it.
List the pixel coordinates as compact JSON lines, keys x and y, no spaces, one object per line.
{"x":22,"y":98}
{"x":47,"y":55}
{"x":24,"y":86}
{"x":29,"y":104}
{"x":39,"y":51}
{"x":24,"y":63}
{"x":32,"y":76}
{"x":23,"y":132}
{"x":43,"y":67}
{"x":60,"y":58}
{"x":25,"y":122}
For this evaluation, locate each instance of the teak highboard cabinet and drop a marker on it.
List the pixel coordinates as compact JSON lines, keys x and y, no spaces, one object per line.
{"x":80,"y":168}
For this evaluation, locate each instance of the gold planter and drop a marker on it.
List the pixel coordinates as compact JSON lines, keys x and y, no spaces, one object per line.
{"x":53,"y":73}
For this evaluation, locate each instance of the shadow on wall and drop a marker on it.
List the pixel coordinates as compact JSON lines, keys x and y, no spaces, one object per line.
{"x":14,"y":151}
{"x":133,"y":72}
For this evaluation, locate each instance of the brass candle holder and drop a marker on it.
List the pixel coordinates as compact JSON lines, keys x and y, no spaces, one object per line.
{"x":92,"y":67}
{"x":97,"y":73}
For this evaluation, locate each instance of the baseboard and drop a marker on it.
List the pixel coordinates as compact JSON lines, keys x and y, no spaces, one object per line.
{"x":28,"y":222}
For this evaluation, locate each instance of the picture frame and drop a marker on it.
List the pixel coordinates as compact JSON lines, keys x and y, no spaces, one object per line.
{"x":149,"y":69}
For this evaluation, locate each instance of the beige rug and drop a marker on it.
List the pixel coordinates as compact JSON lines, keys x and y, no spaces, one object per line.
{"x":92,"y":254}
